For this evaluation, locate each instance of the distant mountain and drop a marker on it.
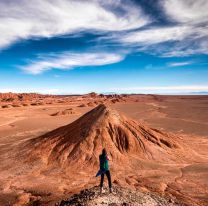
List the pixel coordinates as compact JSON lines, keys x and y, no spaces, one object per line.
{"x":200,"y":93}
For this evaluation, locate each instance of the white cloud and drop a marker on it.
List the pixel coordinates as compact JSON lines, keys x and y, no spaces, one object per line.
{"x":69,"y":60}
{"x":183,"y":89}
{"x":187,"y":11}
{"x":178,"y":64}
{"x":5,"y":90}
{"x":164,"y":34}
{"x":23,"y":19}
{"x":157,"y":35}
{"x":163,"y":89}
{"x":187,"y":36}
{"x":186,"y":40}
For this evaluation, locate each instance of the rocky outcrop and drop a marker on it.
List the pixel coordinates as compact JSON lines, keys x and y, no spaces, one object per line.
{"x":119,"y":197}
{"x":65,"y":112}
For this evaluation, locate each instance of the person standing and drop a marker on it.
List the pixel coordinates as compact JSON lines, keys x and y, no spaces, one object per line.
{"x":104,"y":168}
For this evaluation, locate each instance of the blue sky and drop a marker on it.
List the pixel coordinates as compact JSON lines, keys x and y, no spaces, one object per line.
{"x":79,"y":46}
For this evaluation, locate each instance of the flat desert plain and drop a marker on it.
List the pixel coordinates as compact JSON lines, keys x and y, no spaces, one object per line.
{"x":179,"y":173}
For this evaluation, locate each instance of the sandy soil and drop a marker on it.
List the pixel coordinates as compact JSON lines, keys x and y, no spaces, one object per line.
{"x":184,"y":115}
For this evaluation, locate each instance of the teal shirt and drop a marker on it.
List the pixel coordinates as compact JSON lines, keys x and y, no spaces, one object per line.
{"x":103,"y":162}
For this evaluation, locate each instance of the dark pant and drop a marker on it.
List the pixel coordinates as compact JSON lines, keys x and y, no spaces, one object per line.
{"x":109,"y":179}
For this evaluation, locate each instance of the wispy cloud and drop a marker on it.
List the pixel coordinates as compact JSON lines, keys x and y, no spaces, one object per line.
{"x":22,"y":19}
{"x":179,"y":64}
{"x":191,"y":11}
{"x":187,"y":35}
{"x":69,"y":60}
{"x":182,"y":37}
{"x":157,"y":35}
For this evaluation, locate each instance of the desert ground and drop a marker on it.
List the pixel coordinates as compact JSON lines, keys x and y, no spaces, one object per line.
{"x":33,"y":173}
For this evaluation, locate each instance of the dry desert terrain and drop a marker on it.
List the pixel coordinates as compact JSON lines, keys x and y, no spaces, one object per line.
{"x":49,"y":150}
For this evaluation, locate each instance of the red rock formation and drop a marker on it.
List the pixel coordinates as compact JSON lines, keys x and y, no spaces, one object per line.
{"x":81,"y":142}
{"x":64,"y":112}
{"x":9,"y":97}
{"x":91,"y":104}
